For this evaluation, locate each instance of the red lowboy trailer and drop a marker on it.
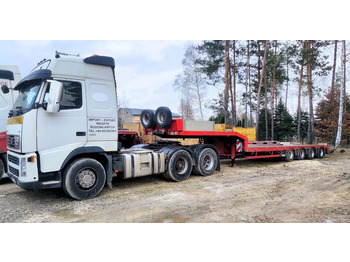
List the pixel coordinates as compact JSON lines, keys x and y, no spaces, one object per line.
{"x":232,"y":145}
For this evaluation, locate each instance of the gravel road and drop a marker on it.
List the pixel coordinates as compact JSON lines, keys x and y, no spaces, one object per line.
{"x":252,"y":192}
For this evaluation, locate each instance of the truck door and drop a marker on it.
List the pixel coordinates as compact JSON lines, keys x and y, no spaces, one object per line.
{"x":60,"y":133}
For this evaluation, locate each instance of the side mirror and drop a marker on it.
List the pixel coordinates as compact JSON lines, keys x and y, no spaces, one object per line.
{"x":55,"y":96}
{"x":6,"y":74}
{"x":5,"y":89}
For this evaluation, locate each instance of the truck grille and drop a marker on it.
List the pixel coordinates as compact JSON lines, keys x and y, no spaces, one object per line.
{"x":13,"y":159}
{"x":13,"y":141}
{"x":14,"y":171}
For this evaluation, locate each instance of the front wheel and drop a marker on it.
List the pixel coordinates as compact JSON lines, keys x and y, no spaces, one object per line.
{"x":83,"y":178}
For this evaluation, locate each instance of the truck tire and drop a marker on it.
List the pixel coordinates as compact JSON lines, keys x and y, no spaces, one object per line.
{"x":147,"y":118}
{"x":320,"y":153}
{"x":207,"y":162}
{"x":289,"y":155}
{"x":163,"y":117}
{"x":180,"y":166}
{"x":301,"y":154}
{"x":83,"y":178}
{"x":311,"y":153}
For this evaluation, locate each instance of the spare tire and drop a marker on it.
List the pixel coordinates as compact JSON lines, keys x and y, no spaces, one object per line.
{"x":147,"y":118}
{"x":163,"y":117}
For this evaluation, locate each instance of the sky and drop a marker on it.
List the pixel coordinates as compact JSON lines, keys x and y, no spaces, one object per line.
{"x":145,"y":69}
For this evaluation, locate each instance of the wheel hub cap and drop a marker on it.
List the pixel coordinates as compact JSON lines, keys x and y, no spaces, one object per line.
{"x":86,"y":178}
{"x":180,"y":166}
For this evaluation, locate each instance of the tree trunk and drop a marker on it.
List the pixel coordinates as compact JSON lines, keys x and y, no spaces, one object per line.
{"x":344,"y":86}
{"x":227,"y":80}
{"x":340,"y":119}
{"x":273,"y":92}
{"x":299,"y":93}
{"x":332,"y":98}
{"x":233,"y":101}
{"x":246,"y":88}
{"x":334,"y":67}
{"x":250,"y":92}
{"x":259,"y":91}
{"x":199,"y":94}
{"x":286,"y":102}
{"x":310,"y":129}
{"x":265,"y":107}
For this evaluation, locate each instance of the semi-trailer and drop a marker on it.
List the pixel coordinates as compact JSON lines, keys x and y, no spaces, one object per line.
{"x":63,"y":132}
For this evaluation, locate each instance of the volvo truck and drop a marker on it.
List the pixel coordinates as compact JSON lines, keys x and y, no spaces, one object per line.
{"x":63,"y":132}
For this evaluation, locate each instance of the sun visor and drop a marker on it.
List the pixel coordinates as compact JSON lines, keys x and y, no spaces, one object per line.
{"x":100,"y":60}
{"x":42,"y":74}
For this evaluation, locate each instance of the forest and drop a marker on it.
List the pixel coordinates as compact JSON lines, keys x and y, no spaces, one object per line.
{"x":291,"y":91}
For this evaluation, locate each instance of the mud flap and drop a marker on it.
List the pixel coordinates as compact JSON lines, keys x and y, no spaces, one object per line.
{"x":109,"y":172}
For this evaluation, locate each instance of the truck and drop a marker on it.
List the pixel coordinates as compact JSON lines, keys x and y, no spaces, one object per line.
{"x":63,"y":133}
{"x":9,"y":77}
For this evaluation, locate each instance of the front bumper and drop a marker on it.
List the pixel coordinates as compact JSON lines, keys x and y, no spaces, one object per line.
{"x":23,"y":170}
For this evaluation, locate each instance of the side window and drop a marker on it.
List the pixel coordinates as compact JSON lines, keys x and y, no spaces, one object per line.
{"x":72,"y":96}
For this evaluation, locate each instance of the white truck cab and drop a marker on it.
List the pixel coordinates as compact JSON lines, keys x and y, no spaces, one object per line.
{"x":45,"y":131}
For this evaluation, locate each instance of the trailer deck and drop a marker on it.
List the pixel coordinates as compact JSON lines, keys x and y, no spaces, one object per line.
{"x":234,"y":145}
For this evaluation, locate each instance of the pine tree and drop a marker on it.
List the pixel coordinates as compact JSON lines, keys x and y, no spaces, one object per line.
{"x":284,"y":125}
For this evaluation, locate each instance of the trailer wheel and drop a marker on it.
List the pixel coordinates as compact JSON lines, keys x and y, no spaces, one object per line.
{"x":180,"y":166}
{"x":311,"y":153}
{"x":147,"y":118}
{"x":289,"y":155}
{"x":163,"y":117}
{"x":320,"y":153}
{"x":301,"y":154}
{"x":83,"y":178}
{"x":207,"y":162}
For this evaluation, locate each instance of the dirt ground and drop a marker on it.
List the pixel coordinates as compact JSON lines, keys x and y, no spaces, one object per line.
{"x":253,"y":192}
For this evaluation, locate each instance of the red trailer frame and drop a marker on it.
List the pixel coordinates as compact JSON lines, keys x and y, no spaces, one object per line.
{"x":234,"y":145}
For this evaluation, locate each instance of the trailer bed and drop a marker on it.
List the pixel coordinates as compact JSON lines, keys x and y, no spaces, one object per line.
{"x":234,"y":145}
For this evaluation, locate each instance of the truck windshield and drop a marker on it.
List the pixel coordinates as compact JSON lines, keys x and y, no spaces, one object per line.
{"x":26,"y":97}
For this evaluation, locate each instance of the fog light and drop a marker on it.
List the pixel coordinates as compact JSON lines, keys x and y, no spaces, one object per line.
{"x":23,"y":167}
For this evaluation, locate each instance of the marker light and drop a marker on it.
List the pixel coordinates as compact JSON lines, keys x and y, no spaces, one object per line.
{"x":31,"y":159}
